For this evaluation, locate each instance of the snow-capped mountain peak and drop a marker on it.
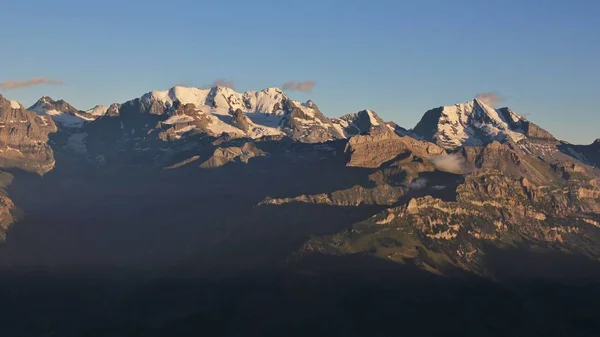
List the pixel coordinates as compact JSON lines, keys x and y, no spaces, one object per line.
{"x":64,"y":114}
{"x":268,"y":112}
{"x":15,"y":105}
{"x":221,"y":100}
{"x":475,"y":123}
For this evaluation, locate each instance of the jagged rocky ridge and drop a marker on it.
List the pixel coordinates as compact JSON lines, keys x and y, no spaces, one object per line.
{"x":465,"y":177}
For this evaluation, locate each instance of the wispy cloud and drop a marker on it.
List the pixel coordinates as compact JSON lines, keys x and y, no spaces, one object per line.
{"x":306,"y":86}
{"x":449,"y":163}
{"x":17,"y":84}
{"x":490,"y":98}
{"x":220,"y":82}
{"x":418,"y":184}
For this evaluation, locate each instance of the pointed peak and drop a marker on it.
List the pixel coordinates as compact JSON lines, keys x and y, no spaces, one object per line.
{"x":482,"y":104}
{"x":45,"y":100}
{"x":368,"y":112}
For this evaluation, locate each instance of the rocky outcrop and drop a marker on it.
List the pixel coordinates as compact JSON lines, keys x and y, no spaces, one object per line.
{"x":587,"y":153}
{"x":510,"y":159}
{"x":533,"y":131}
{"x":24,"y":139}
{"x":373,"y":151}
{"x":184,"y":119}
{"x":113,"y":110}
{"x":491,"y":209}
{"x":8,"y":211}
{"x":355,"y":196}
{"x":240,"y":121}
{"x":223,"y":156}
{"x":400,"y":131}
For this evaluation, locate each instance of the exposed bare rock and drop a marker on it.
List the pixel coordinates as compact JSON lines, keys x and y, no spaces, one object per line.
{"x":355,"y":196}
{"x":8,"y":211}
{"x":183,"y":162}
{"x":372,"y":151}
{"x":186,"y":118}
{"x":7,"y":217}
{"x":113,"y":110}
{"x":239,"y":120}
{"x":586,"y":153}
{"x":490,"y":208}
{"x":226,"y":155}
{"x":23,"y":139}
{"x":365,"y":122}
{"x":510,"y":159}
{"x":400,"y":131}
{"x":531,"y":130}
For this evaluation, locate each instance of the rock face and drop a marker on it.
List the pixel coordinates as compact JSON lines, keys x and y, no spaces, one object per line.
{"x":23,"y":145}
{"x":383,"y":148}
{"x":186,"y":118}
{"x":24,"y":139}
{"x":8,"y":211}
{"x":587,"y":153}
{"x":231,"y":154}
{"x":240,"y":121}
{"x":510,"y":159}
{"x":380,"y":195}
{"x":400,"y":131}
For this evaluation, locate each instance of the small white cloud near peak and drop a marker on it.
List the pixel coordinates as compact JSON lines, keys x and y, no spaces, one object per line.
{"x":306,"y":86}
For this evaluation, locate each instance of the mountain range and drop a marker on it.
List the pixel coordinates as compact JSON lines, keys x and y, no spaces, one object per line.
{"x":212,"y":181}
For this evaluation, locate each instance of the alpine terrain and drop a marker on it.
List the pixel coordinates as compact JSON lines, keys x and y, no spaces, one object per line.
{"x":208,"y":210}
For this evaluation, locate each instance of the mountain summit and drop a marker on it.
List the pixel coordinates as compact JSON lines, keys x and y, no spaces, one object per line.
{"x":63,"y":113}
{"x":475,"y":123}
{"x":269,"y":112}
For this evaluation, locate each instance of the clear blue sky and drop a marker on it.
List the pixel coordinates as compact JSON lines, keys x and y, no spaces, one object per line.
{"x":399,"y":58}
